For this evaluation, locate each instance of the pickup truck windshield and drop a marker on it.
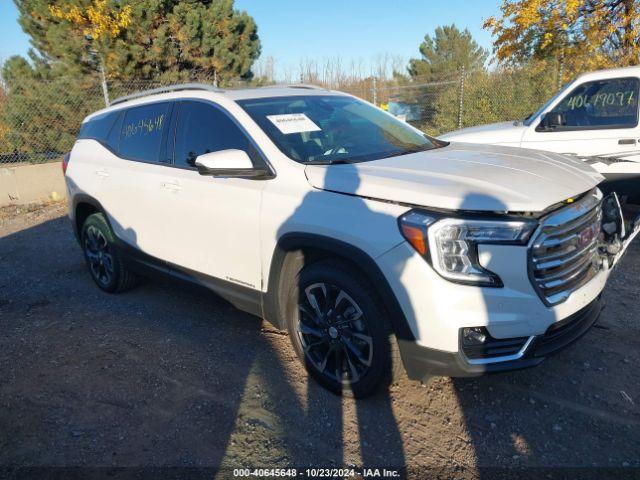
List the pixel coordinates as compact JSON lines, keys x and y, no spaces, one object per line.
{"x":531,"y":118}
{"x":328,"y":129}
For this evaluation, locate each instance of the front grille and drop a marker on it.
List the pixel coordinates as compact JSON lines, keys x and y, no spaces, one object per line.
{"x":564,"y":253}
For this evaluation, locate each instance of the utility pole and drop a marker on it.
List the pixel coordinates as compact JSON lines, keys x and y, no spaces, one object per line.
{"x":461,"y":99}
{"x":375,"y":91}
{"x":560,"y":69}
{"x":103,"y":80}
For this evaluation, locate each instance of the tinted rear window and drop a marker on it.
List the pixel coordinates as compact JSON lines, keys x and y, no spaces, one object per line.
{"x":143,"y":130}
{"x":99,"y":127}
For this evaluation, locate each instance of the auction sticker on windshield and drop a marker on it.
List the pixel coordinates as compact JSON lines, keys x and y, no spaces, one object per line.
{"x":293,"y":123}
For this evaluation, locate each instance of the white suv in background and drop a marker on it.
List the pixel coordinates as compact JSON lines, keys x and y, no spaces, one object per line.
{"x":354,"y":231}
{"x":594,"y":117}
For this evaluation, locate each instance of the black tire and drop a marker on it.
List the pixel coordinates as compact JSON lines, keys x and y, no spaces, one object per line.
{"x":350,"y":323}
{"x":103,"y":261}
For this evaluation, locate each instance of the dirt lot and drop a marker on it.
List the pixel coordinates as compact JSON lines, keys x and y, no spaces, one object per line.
{"x":170,"y":375}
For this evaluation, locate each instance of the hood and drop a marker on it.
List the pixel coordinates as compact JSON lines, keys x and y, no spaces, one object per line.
{"x":463,"y":177}
{"x":503,"y":132}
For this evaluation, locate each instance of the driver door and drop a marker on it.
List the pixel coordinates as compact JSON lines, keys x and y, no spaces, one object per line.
{"x":600,"y":119}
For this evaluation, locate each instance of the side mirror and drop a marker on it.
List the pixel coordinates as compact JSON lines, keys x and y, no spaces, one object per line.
{"x":552,"y":120}
{"x":228,"y":163}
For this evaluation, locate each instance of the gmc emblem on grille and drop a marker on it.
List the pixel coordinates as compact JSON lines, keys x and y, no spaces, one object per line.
{"x":587,"y":236}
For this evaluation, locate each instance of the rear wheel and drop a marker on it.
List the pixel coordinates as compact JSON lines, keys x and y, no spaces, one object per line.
{"x":105,"y":265}
{"x":339,"y":330}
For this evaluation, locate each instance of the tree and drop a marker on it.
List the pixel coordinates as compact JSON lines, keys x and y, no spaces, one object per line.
{"x":98,"y":21}
{"x":42,"y":110}
{"x":581,"y":34}
{"x":434,"y":78}
{"x":504,"y":94}
{"x":99,"y":24}
{"x":144,"y":39}
{"x":3,"y":127}
{"x":446,"y":53}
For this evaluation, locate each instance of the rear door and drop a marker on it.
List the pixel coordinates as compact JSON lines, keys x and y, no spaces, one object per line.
{"x":211,"y":225}
{"x":134,"y":178}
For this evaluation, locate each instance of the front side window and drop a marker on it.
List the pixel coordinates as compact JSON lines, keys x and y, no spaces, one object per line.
{"x":203,"y":128}
{"x":142,"y":132}
{"x":604,"y":103}
{"x":334,"y":129}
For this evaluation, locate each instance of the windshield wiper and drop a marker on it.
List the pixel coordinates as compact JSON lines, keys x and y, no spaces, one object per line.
{"x":409,"y":151}
{"x":417,"y":149}
{"x":336,"y":161}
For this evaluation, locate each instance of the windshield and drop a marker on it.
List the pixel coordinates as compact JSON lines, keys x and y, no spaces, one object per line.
{"x":527,"y":121}
{"x":334,"y":129}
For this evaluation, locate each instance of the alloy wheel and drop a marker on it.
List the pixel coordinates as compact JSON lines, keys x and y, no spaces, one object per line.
{"x":99,"y":257}
{"x":334,"y":334}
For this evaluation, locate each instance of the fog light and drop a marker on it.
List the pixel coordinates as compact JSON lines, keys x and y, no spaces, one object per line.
{"x":474,"y":335}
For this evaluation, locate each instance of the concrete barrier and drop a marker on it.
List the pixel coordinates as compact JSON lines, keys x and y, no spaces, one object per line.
{"x":25,"y":183}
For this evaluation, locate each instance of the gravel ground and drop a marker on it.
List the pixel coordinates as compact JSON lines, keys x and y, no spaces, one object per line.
{"x":171,"y":375}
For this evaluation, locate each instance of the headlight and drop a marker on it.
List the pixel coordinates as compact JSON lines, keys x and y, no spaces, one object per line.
{"x":450,"y":245}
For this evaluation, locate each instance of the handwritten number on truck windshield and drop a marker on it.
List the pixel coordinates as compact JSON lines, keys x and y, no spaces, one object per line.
{"x":602,"y":99}
{"x":601,"y":103}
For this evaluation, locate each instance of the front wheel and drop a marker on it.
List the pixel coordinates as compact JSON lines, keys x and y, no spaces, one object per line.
{"x":339,"y":330}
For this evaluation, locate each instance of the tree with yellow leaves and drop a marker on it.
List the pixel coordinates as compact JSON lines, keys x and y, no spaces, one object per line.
{"x":97,"y":20}
{"x":99,"y":23}
{"x":581,"y":34}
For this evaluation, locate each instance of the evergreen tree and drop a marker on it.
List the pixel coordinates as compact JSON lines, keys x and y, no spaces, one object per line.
{"x":446,"y":53}
{"x":443,"y":57}
{"x":42,"y":109}
{"x":162,"y":39}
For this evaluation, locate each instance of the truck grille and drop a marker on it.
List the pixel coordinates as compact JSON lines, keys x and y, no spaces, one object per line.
{"x":564,"y":253}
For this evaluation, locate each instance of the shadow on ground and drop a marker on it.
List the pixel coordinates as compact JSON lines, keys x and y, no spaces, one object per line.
{"x":170,"y":375}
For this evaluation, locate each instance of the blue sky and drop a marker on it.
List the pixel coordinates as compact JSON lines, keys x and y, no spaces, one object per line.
{"x":291,"y":30}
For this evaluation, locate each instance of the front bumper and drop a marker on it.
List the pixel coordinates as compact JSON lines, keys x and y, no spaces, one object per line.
{"x":518,"y":326}
{"x":422,"y":362}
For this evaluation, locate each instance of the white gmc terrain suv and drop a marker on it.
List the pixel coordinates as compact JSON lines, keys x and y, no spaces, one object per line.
{"x":367,"y":240}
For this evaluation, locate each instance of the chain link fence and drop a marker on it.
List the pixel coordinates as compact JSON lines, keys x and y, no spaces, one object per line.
{"x":469,"y":99}
{"x":40,"y":119}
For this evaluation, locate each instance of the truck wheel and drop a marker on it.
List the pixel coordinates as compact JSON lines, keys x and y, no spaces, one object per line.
{"x":340,"y":330}
{"x":105,"y":265}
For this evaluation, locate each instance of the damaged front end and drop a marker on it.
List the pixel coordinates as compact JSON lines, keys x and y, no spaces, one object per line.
{"x":616,"y":233}
{"x":577,"y":241}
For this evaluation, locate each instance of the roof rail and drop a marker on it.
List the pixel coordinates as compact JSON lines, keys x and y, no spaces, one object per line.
{"x":167,"y":89}
{"x":308,"y":86}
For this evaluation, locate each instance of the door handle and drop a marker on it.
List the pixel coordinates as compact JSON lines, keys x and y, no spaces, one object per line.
{"x":102,"y":173}
{"x":627,"y":141}
{"x":171,"y":186}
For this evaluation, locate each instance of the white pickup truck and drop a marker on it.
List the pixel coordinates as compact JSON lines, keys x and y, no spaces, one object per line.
{"x":594,"y":117}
